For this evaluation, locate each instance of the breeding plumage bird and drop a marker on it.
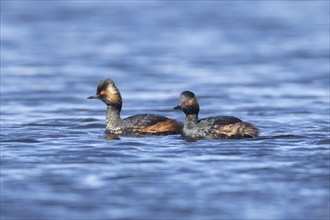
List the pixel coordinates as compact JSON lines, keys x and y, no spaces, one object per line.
{"x":213,"y":127}
{"x":108,"y":93}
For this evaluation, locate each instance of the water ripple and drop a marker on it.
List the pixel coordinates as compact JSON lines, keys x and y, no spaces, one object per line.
{"x":263,"y":62}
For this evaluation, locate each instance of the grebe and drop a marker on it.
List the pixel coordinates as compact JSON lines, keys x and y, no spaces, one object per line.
{"x":221,"y":127}
{"x":134,"y":125}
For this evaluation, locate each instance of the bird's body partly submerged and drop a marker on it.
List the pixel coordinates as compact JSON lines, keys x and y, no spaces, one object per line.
{"x":134,"y":125}
{"x":221,"y":127}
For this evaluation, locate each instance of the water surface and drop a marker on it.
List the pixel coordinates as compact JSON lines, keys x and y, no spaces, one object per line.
{"x":264,"y":62}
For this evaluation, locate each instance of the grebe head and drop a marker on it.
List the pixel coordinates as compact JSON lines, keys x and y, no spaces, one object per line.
{"x":188,"y":103}
{"x":108,"y":93}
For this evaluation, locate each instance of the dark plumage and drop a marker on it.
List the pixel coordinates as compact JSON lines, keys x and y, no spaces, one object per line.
{"x":212,"y":127}
{"x":134,"y":125}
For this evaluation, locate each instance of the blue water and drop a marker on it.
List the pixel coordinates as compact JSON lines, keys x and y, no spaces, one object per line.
{"x":266,"y":62}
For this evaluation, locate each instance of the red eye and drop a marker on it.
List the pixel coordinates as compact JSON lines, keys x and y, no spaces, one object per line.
{"x":186,"y":103}
{"x":102,"y":93}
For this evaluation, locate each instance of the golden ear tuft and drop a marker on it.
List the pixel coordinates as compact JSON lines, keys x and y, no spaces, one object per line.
{"x":193,"y":102}
{"x":113,"y":94}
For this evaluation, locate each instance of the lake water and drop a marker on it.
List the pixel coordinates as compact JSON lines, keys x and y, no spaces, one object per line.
{"x":266,"y":62}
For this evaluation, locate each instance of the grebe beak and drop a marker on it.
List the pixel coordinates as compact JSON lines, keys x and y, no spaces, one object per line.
{"x":177,"y":107}
{"x":93,"y":97}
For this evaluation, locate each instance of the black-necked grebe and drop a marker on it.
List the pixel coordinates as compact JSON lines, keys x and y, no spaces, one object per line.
{"x":134,"y":125}
{"x":222,"y":127}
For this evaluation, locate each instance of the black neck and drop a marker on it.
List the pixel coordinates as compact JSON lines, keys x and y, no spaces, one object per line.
{"x":191,"y":118}
{"x":113,"y":114}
